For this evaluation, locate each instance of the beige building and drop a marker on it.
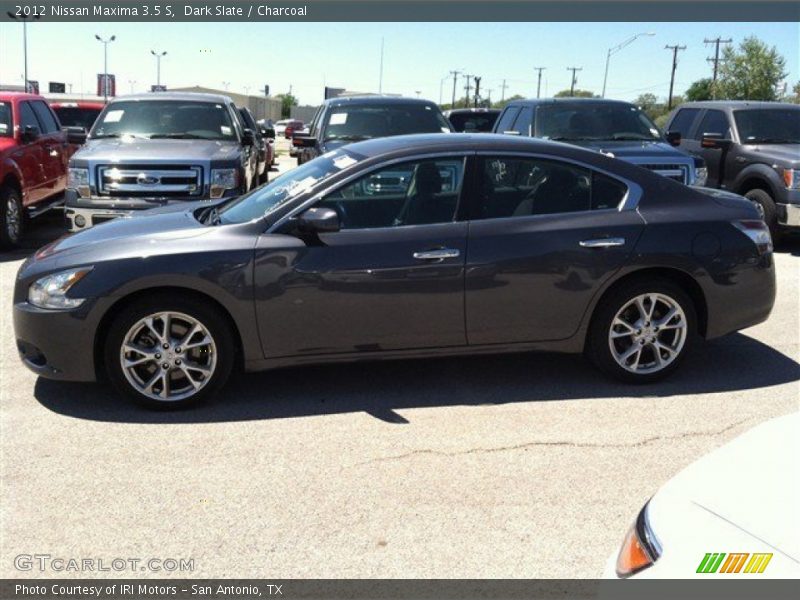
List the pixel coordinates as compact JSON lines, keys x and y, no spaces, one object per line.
{"x":262,"y":107}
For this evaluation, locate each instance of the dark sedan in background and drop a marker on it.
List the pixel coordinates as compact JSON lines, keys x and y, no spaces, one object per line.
{"x":408,"y":246}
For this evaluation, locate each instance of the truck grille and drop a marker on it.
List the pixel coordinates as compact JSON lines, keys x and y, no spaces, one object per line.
{"x":679,"y":173}
{"x":150,"y":180}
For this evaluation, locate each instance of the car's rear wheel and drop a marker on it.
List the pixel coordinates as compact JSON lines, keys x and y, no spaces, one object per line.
{"x":12,"y":220}
{"x":642,"y":330}
{"x":169,"y":353}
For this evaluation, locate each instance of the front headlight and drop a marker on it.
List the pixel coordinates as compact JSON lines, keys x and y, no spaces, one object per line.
{"x":791,"y":177}
{"x":51,"y":291}
{"x":78,"y":179}
{"x":700,"y":176}
{"x":640,"y":548}
{"x":223,"y":179}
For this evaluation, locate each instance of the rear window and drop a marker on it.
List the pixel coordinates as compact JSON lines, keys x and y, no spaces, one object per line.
{"x":73,"y":116}
{"x":353,"y":123}
{"x":6,"y":123}
{"x":477,"y":121}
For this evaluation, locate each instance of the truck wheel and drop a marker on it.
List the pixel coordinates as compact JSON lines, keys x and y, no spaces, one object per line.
{"x":169,"y":352}
{"x":12,"y":217}
{"x":264,"y":177}
{"x":642,"y":330}
{"x":766,"y":207}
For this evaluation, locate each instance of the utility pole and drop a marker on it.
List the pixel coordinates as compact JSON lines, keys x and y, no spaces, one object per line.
{"x":539,"y":81}
{"x":455,"y":75}
{"x":380,"y":77}
{"x":503,"y":91}
{"x":467,"y":87}
{"x":132,"y":82}
{"x":715,"y":61}
{"x":477,"y":90}
{"x":675,"y":49}
{"x":574,"y":79}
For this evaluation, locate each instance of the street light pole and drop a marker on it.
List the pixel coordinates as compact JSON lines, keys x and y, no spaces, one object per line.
{"x":158,"y":56}
{"x":616,"y":49}
{"x":105,"y":63}
{"x":24,"y":19}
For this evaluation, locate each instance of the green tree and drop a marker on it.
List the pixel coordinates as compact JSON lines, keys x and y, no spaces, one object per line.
{"x":576,"y":94}
{"x":700,"y":90}
{"x":287,"y":102}
{"x":751,"y":72}
{"x":794,"y":97}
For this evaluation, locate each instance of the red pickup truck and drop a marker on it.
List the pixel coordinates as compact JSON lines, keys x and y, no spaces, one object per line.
{"x":33,"y":162}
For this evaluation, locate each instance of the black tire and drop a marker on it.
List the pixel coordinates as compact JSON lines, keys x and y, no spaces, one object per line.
{"x":203,"y":312}
{"x":598,"y":343}
{"x":10,"y":196}
{"x":264,"y":177}
{"x":770,"y":212}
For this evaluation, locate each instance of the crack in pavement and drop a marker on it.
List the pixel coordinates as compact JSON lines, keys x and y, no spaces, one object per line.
{"x":644,"y":442}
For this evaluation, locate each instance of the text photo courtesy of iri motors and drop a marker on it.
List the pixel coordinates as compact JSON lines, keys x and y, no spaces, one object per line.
{"x":305,"y":299}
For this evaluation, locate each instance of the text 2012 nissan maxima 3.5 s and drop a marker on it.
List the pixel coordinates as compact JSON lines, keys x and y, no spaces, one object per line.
{"x":400,"y":247}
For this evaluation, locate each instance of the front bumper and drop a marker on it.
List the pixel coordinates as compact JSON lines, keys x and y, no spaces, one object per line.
{"x":55,"y":344}
{"x":789,"y":215}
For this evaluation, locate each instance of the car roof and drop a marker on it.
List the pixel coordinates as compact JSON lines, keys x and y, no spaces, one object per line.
{"x":180,"y":96}
{"x":376,"y":99}
{"x":567,"y":100}
{"x":466,"y":111}
{"x":738,"y":104}
{"x":9,"y":96}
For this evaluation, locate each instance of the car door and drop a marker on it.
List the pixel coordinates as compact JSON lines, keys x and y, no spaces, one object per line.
{"x":713,"y":122}
{"x":544,"y":236}
{"x":54,"y":148}
{"x":29,"y":155}
{"x":392,"y":278}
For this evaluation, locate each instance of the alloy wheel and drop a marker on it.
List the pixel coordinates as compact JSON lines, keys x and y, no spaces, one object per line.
{"x":13,"y":219}
{"x":168,"y":356}
{"x":648,"y":333}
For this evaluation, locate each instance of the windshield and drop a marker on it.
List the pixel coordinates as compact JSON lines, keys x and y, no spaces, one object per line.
{"x":266,"y":199}
{"x":73,"y":116}
{"x":369,"y":121}
{"x":765,"y":126}
{"x":6,"y":127}
{"x":477,"y":121}
{"x":573,"y":122}
{"x":175,"y":119}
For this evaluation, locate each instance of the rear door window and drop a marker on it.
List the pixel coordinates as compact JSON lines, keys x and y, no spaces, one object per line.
{"x":27,"y":118}
{"x":507,"y":119}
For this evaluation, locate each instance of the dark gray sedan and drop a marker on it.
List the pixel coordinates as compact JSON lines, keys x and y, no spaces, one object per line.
{"x":408,"y":246}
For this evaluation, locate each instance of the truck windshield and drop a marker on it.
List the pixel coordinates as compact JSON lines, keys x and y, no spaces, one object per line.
{"x":267,"y":199}
{"x":75,"y":116}
{"x":6,"y":127}
{"x":589,"y":122}
{"x":768,"y":126}
{"x":165,"y":119}
{"x":353,"y":122}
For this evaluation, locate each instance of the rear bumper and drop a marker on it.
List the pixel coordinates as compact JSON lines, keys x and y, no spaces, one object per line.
{"x":55,"y":344}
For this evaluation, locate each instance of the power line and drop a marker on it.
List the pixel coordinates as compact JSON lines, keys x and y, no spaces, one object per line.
{"x":539,"y":81}
{"x":715,"y":59}
{"x":503,"y":91}
{"x":675,"y":49}
{"x":455,"y":75}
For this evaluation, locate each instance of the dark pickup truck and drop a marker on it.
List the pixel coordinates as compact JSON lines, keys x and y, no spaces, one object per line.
{"x":149,"y":150}
{"x":752,"y":149}
{"x":617,"y":129}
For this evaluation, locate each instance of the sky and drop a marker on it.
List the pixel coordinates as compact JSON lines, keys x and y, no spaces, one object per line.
{"x":417,"y":56}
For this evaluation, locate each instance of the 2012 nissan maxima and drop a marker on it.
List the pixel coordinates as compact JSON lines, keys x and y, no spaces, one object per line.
{"x":400,"y":247}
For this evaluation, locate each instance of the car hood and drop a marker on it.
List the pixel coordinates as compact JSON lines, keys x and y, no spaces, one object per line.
{"x":785,"y":153}
{"x":629,"y":149}
{"x":143,"y":150}
{"x":145,"y":233}
{"x":742,"y":497}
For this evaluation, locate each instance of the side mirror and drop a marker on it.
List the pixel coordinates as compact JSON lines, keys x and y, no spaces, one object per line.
{"x":714,"y":141}
{"x":319,"y":220}
{"x":248,"y":137}
{"x":303,"y":140}
{"x":30,"y":133}
{"x":673,"y":138}
{"x":76,"y":135}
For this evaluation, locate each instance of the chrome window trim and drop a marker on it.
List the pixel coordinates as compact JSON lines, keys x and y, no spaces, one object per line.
{"x":319,"y":195}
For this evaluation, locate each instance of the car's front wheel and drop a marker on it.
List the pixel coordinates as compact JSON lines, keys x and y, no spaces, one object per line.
{"x":642,"y":330}
{"x":169,"y":353}
{"x":11,"y":217}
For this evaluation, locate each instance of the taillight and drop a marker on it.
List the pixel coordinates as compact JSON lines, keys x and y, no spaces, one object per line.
{"x":758,"y":232}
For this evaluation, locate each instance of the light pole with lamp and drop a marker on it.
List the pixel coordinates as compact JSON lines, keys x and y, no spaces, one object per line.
{"x":24,"y":19}
{"x":616,"y":49}
{"x":159,"y":56}
{"x":105,"y":63}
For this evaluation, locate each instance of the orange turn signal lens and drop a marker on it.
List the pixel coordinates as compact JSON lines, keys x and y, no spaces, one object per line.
{"x":632,"y":556}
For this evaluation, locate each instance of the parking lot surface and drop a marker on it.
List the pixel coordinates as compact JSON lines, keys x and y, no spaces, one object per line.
{"x":527,"y":465}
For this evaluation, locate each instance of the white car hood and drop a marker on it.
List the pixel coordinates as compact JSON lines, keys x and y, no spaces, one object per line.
{"x":740,"y":498}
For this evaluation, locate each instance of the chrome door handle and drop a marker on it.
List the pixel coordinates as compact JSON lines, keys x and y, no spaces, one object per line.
{"x":602,"y":243}
{"x":438,"y":254}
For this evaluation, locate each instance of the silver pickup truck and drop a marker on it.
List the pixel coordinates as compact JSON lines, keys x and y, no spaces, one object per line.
{"x":149,"y":150}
